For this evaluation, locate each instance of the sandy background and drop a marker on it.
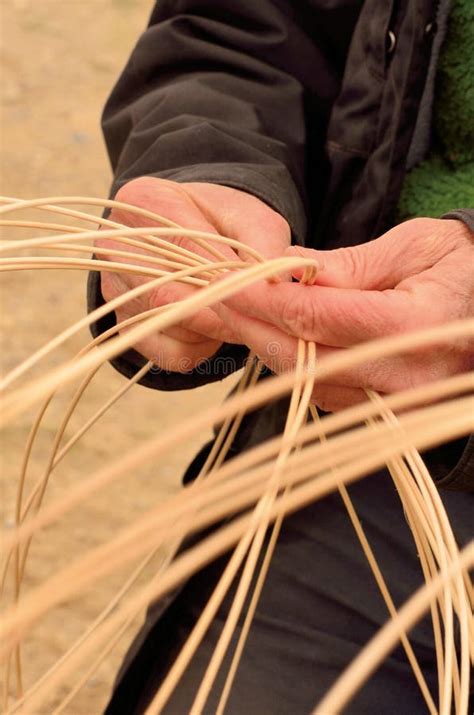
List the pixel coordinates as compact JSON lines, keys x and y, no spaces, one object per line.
{"x":60,"y":59}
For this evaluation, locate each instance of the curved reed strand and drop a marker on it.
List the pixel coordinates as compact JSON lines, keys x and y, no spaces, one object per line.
{"x":201,"y":238}
{"x":403,"y":479}
{"x":248,"y":546}
{"x":386,"y":639}
{"x":229,"y":427}
{"x":105,"y":651}
{"x":73,"y":264}
{"x":11,"y":204}
{"x":43,"y":225}
{"x":400,"y":470}
{"x":250,"y":482}
{"x":152,"y":243}
{"x":19,"y":556}
{"x":40,"y":488}
{"x":378,"y":576}
{"x":162,"y":262}
{"x":75,"y":577}
{"x":100,"y":313}
{"x":213,"y":546}
{"x":439,"y":520}
{"x":144,"y":213}
{"x":261,"y":393}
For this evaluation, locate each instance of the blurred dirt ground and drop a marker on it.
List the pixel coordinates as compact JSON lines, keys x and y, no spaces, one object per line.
{"x":60,"y":59}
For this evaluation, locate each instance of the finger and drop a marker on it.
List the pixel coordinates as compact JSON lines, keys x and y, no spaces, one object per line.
{"x":275,"y":348}
{"x":201,"y":326}
{"x":171,"y":354}
{"x":133,"y":258}
{"x":170,"y":200}
{"x":335,"y":317}
{"x":206,"y":322}
{"x":332,"y":398}
{"x":113,"y":285}
{"x":278,"y":351}
{"x":184,"y":335}
{"x":406,"y":250}
{"x":385,"y":375}
{"x":397,"y":372}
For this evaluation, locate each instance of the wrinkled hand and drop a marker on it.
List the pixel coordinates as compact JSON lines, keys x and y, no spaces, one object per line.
{"x":199,"y":206}
{"x":419,"y":274}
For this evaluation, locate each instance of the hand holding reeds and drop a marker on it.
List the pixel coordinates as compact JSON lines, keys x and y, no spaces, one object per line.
{"x":201,"y":207}
{"x":418,"y":275}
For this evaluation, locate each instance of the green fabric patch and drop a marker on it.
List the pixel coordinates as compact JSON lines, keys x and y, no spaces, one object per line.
{"x":433,"y":188}
{"x":445,"y":179}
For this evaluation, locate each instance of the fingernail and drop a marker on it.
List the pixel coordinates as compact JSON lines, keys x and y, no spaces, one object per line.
{"x":298,"y":251}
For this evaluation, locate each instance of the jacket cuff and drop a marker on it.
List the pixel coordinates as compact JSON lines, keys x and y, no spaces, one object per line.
{"x":274,"y":187}
{"x":464,"y":215}
{"x":226,"y":360}
{"x":460,"y":477}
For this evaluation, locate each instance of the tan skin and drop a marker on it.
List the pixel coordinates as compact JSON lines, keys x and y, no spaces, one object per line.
{"x":419,"y":274}
{"x":206,"y":207}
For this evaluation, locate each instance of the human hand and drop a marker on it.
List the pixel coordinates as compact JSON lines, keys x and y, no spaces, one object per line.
{"x":417,"y":275}
{"x":199,"y":206}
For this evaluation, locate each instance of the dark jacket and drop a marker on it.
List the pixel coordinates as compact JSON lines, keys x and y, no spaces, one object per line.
{"x":309,"y":105}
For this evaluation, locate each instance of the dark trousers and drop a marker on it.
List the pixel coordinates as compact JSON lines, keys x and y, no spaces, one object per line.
{"x":319,"y":606}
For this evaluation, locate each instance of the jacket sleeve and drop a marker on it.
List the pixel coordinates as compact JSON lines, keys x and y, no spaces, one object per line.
{"x":452,"y":464}
{"x":464,"y":215}
{"x":214,"y":92}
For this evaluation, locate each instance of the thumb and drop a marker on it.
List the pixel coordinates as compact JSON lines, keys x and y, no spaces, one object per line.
{"x":382,"y":263}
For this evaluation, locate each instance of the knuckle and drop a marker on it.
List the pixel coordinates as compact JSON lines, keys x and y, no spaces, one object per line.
{"x":330,"y":398}
{"x":147,"y":192}
{"x":188,"y":244}
{"x":188,"y":357}
{"x":435,"y":238}
{"x":423,"y":224}
{"x":322,"y":400}
{"x":108,"y":286}
{"x":298,"y":315}
{"x":355,"y":263}
{"x":379,"y":318}
{"x":279,"y":227}
{"x":158,"y":297}
{"x":105,"y":244}
{"x":163,"y":295}
{"x":133,"y":190}
{"x":418,"y":371}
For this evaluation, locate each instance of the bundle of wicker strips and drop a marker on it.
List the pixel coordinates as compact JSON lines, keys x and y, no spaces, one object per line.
{"x":257,"y":488}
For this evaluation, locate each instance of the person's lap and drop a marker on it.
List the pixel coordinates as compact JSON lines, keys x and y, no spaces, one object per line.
{"x":319,"y":606}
